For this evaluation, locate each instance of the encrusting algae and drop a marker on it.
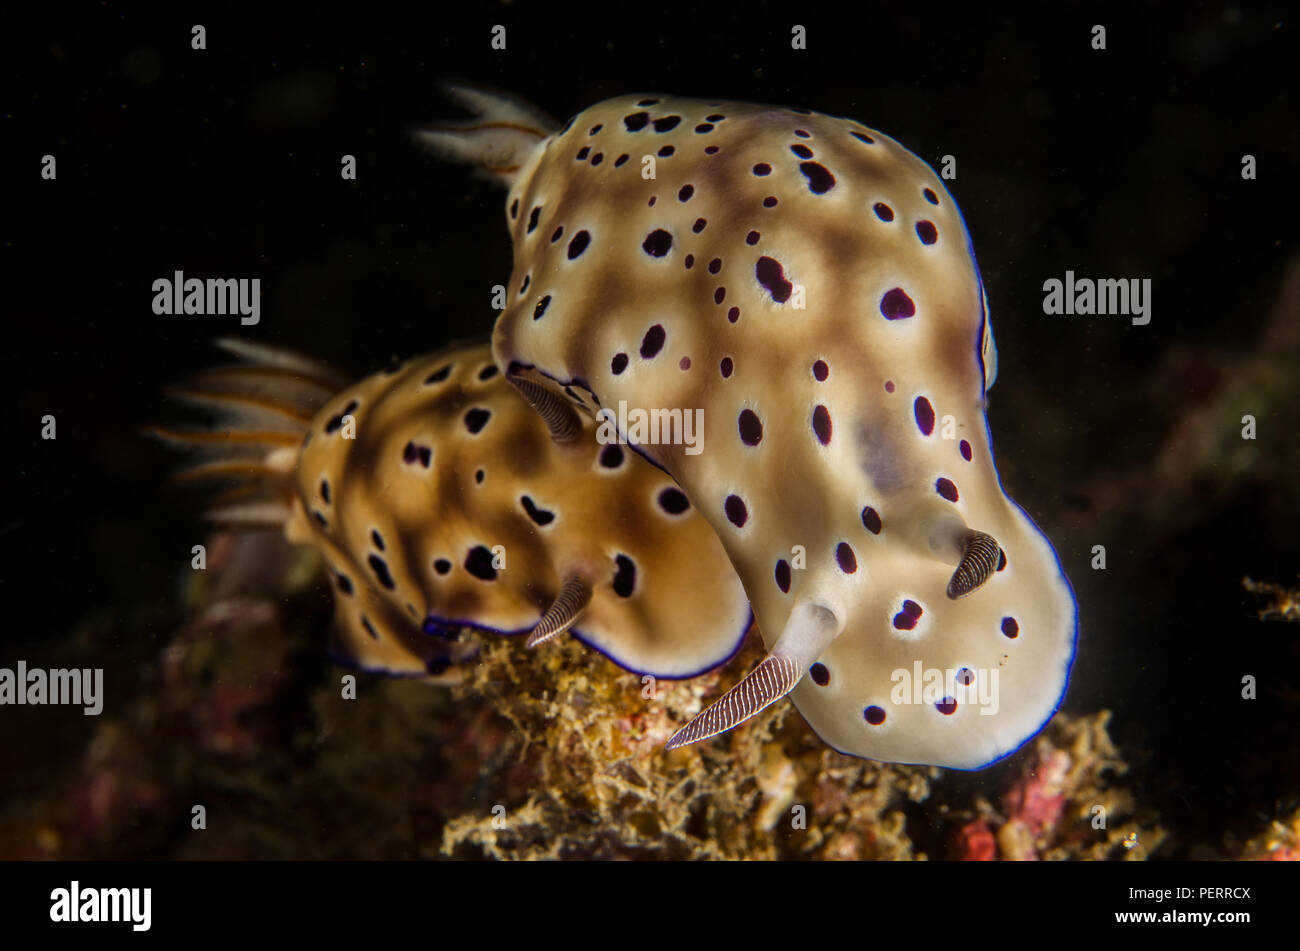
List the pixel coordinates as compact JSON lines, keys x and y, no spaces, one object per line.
{"x":603,"y":786}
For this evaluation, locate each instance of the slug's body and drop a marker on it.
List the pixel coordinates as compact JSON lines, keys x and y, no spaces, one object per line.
{"x":439,"y":502}
{"x":809,"y":285}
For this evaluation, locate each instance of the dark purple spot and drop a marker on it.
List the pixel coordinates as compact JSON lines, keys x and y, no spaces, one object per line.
{"x":377,"y":538}
{"x":802,"y":151}
{"x":438,"y":375}
{"x":716,"y":117}
{"x":532,"y":218}
{"x":762,"y":168}
{"x":370,"y":628}
{"x":1010,"y":628}
{"x":555,"y":235}
{"x":924,"y":415}
{"x":596,"y":128}
{"x":540,"y":309}
{"x":336,"y":422}
{"x":769,"y":201}
{"x":651,"y":202}
{"x":719,"y":294}
{"x":820,"y":179}
{"x":657,"y":243}
{"x":906,"y":619}
{"x":442,"y":566}
{"x":863,"y":138}
{"x":820,"y":675}
{"x":1002,"y":559}
{"x":896,"y":305}
{"x":873,"y":714}
{"x":488,"y":372}
{"x":611,"y":457}
{"x":821,"y":371}
{"x":665,"y":152}
{"x":946,"y":489}
{"x":845,"y":557}
{"x":947,"y":706}
{"x":514,"y":208}
{"x":783,"y":575}
{"x":822,"y":425}
{"x":883,"y":211}
{"x":752,"y":238}
{"x":325,"y":488}
{"x":653,"y":341}
{"x":618,"y":364}
{"x":802,"y":134}
{"x":733,"y":314}
{"x":710,"y":150}
{"x":344,"y":582}
{"x":871,"y":520}
{"x":715,"y":265}
{"x":667,"y":123}
{"x":528,"y":279}
{"x":583,"y":153}
{"x":700,"y":225}
{"x":479,"y":563}
{"x":324,"y":522}
{"x":737,"y":511}
{"x":636,"y":121}
{"x":927,"y":232}
{"x":751,"y":428}
{"x":726,"y":366}
{"x":930,"y":196}
{"x":597,"y":159}
{"x":889,"y":386}
{"x":964,"y":447}
{"x":690,"y":261}
{"x":965,"y":676}
{"x":685,"y":193}
{"x":380,"y":568}
{"x":476,"y":419}
{"x":578,"y":244}
{"x":673,"y":501}
{"x":684,"y":363}
{"x":624,"y":576}
{"x":704,"y":127}
{"x":771,"y":275}
{"x":648,"y":102}
{"x":620,"y":160}
{"x":540,"y":516}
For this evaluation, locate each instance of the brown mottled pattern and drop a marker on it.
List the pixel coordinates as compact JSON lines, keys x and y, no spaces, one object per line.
{"x":687,"y":612}
{"x":799,"y":492}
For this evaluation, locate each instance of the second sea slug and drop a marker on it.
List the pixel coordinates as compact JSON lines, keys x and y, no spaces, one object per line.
{"x":440,"y":502}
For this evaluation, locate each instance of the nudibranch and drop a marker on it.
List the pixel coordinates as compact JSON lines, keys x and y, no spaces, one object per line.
{"x":440,"y":502}
{"x":809,"y":284}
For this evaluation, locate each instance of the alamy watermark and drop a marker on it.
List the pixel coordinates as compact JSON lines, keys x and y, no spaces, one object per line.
{"x":37,"y":686}
{"x":215,"y":295}
{"x":1105,"y":296}
{"x":77,"y":904}
{"x":932,"y":685}
{"x":642,"y":427}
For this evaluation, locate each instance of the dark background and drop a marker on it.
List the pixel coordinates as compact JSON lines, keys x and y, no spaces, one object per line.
{"x":1117,"y":163}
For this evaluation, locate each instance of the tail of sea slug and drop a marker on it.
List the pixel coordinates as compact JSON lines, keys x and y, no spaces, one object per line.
{"x":499,"y":138}
{"x":262,"y":407}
